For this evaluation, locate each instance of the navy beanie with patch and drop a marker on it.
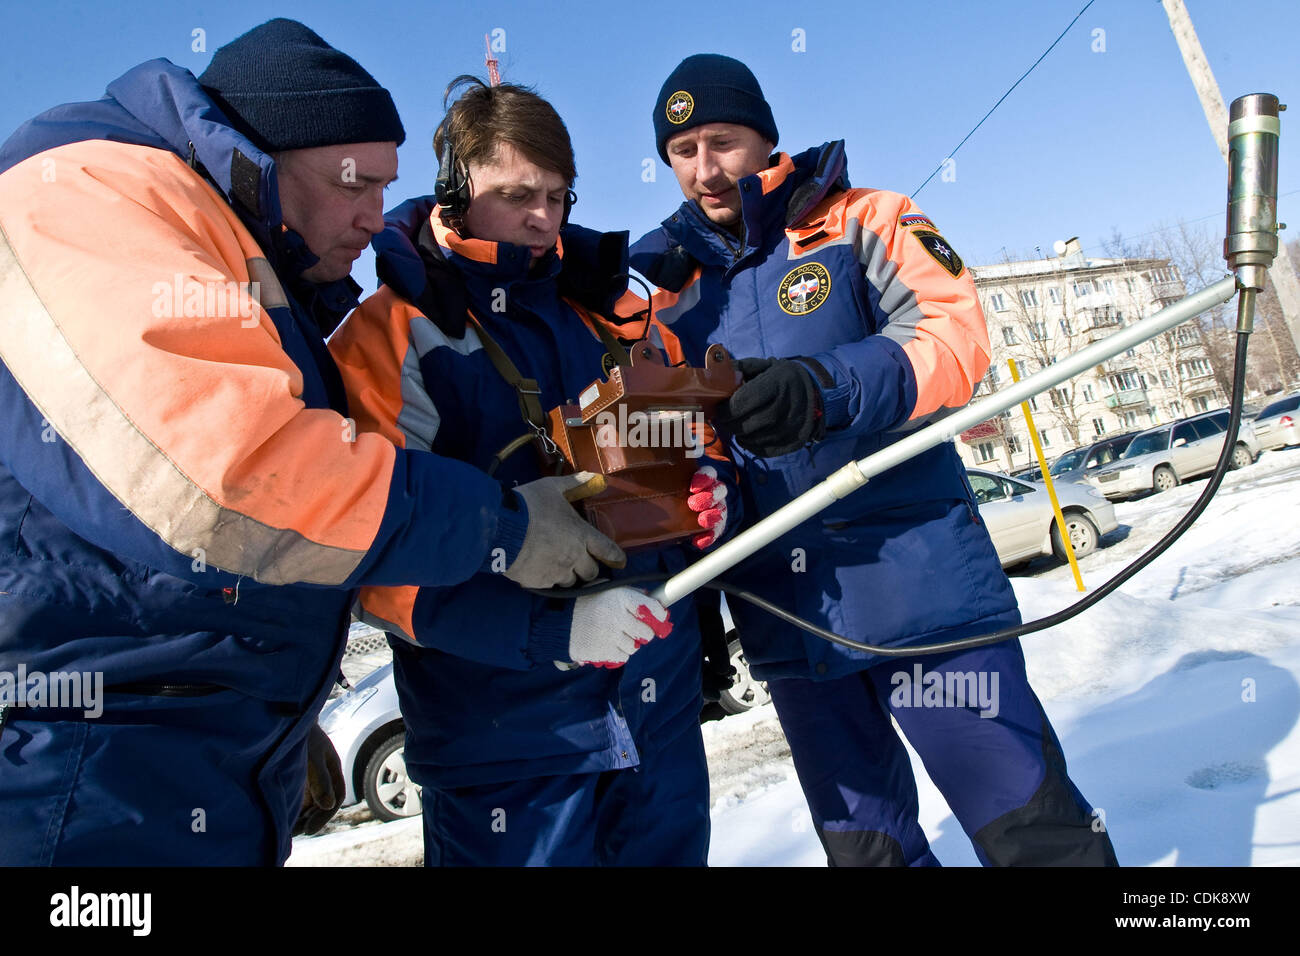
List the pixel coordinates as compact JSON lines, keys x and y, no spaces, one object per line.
{"x":286,"y":88}
{"x":710,"y":88}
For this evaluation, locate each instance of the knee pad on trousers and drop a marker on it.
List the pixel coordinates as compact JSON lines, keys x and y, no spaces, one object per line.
{"x":1055,"y":828}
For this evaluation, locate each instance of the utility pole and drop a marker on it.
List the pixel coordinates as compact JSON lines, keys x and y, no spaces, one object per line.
{"x":494,"y":73}
{"x":1282,"y":273}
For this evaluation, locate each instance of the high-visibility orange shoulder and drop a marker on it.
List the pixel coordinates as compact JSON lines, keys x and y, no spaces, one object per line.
{"x":125,"y":270}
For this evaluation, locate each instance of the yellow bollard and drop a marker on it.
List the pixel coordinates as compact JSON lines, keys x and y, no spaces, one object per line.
{"x":1047,"y":480}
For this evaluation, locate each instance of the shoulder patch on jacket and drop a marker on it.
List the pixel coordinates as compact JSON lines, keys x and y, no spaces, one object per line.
{"x":940,"y":251}
{"x":912,"y":221}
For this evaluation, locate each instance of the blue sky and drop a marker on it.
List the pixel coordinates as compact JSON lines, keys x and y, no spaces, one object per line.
{"x":1092,"y":141}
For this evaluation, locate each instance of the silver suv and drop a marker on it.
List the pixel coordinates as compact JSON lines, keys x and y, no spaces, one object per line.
{"x":1160,"y":458}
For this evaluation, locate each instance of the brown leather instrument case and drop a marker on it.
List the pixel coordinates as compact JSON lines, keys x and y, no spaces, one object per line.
{"x":645,"y":430}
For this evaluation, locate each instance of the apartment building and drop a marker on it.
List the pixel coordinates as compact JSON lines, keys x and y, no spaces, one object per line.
{"x":1041,"y":310}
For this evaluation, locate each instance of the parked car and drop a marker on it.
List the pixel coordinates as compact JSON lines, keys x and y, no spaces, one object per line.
{"x":1028,"y":473}
{"x":1278,"y":425}
{"x":1022,"y":524}
{"x":1161,"y":458}
{"x":365,"y":725}
{"x":1078,"y":464}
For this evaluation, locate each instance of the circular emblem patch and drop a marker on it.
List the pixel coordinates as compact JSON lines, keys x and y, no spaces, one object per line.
{"x":607,"y":363}
{"x":680,"y":106}
{"x":804,"y":288}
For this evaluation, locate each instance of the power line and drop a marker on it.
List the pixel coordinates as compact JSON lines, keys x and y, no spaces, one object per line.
{"x":1004,"y":96}
{"x":1213,"y":215}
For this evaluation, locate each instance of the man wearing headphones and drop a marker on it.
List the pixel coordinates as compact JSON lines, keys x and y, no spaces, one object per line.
{"x":543,"y":730}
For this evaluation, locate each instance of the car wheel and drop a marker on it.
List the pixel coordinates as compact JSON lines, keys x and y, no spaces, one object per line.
{"x":1083,"y":536}
{"x":1164,"y":478}
{"x":389,"y":792}
{"x":1241,"y":457}
{"x":745,"y":693}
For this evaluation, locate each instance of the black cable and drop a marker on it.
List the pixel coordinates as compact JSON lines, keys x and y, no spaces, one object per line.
{"x":1005,"y":95}
{"x":1246,"y":302}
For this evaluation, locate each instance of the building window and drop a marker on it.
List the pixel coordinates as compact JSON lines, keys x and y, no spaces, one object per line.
{"x":1176,"y":407}
{"x":1008,"y":335}
{"x":1109,"y":286}
{"x":1038,"y":331}
{"x":1042,"y":437}
{"x":1196,"y":368}
{"x":1033,"y":403}
{"x":1082,"y":288}
{"x":1065,"y":327}
{"x":998,"y":302}
{"x":1130,"y":419}
{"x":1029,"y":298}
{"x":1088,"y":394}
{"x":1098,"y":427}
{"x":1165,"y":378}
{"x":1124,"y":382}
{"x":1013,"y":444}
{"x":1060,"y":397}
{"x":1186,"y":335}
{"x":986,"y":450}
{"x":1130,"y":285}
{"x":1053,"y":295}
{"x":1201,"y":403}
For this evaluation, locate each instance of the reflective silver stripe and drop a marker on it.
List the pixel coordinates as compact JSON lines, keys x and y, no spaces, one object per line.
{"x":419,"y":419}
{"x":688,"y":299}
{"x":267,"y":290}
{"x":374,"y":620}
{"x":129,"y":465}
{"x":897,"y":301}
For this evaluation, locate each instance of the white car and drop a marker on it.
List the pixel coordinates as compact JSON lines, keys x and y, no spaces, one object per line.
{"x":1020,"y":520}
{"x":1163,"y":457}
{"x":1278,"y":425}
{"x":364,"y":723}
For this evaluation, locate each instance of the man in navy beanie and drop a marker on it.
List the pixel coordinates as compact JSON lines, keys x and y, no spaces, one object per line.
{"x":857,"y":323}
{"x":186,"y":507}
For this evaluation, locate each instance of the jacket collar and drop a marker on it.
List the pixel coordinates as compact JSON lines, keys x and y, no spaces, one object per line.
{"x":427,"y":263}
{"x":775,"y":197}
{"x":170,"y":101}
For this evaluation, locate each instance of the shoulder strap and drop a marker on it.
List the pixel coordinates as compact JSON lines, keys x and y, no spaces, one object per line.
{"x":613,"y":344}
{"x":527,"y":390}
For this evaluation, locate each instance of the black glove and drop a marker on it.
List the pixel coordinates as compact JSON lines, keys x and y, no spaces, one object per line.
{"x":718,"y":675}
{"x":777,"y":410}
{"x":325,"y":786}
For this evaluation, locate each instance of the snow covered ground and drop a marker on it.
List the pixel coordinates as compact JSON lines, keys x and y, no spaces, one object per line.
{"x":1177,"y":700}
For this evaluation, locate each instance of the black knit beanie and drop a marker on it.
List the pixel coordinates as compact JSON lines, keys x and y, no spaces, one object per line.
{"x":710,"y":88}
{"x":285,"y":88}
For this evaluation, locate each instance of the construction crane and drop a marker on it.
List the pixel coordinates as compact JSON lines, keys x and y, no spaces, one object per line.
{"x":494,"y":74}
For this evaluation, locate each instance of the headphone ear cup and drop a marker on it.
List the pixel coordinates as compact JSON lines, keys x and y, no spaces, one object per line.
{"x":451,"y":188}
{"x":570,"y":197}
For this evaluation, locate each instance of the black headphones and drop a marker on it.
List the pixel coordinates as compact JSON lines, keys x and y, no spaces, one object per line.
{"x":451,"y":188}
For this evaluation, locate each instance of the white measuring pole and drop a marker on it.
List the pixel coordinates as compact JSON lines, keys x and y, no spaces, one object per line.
{"x":856,"y":473}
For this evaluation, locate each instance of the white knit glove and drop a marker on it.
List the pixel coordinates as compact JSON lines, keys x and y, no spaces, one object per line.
{"x":608,"y":627}
{"x":708,"y":496}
